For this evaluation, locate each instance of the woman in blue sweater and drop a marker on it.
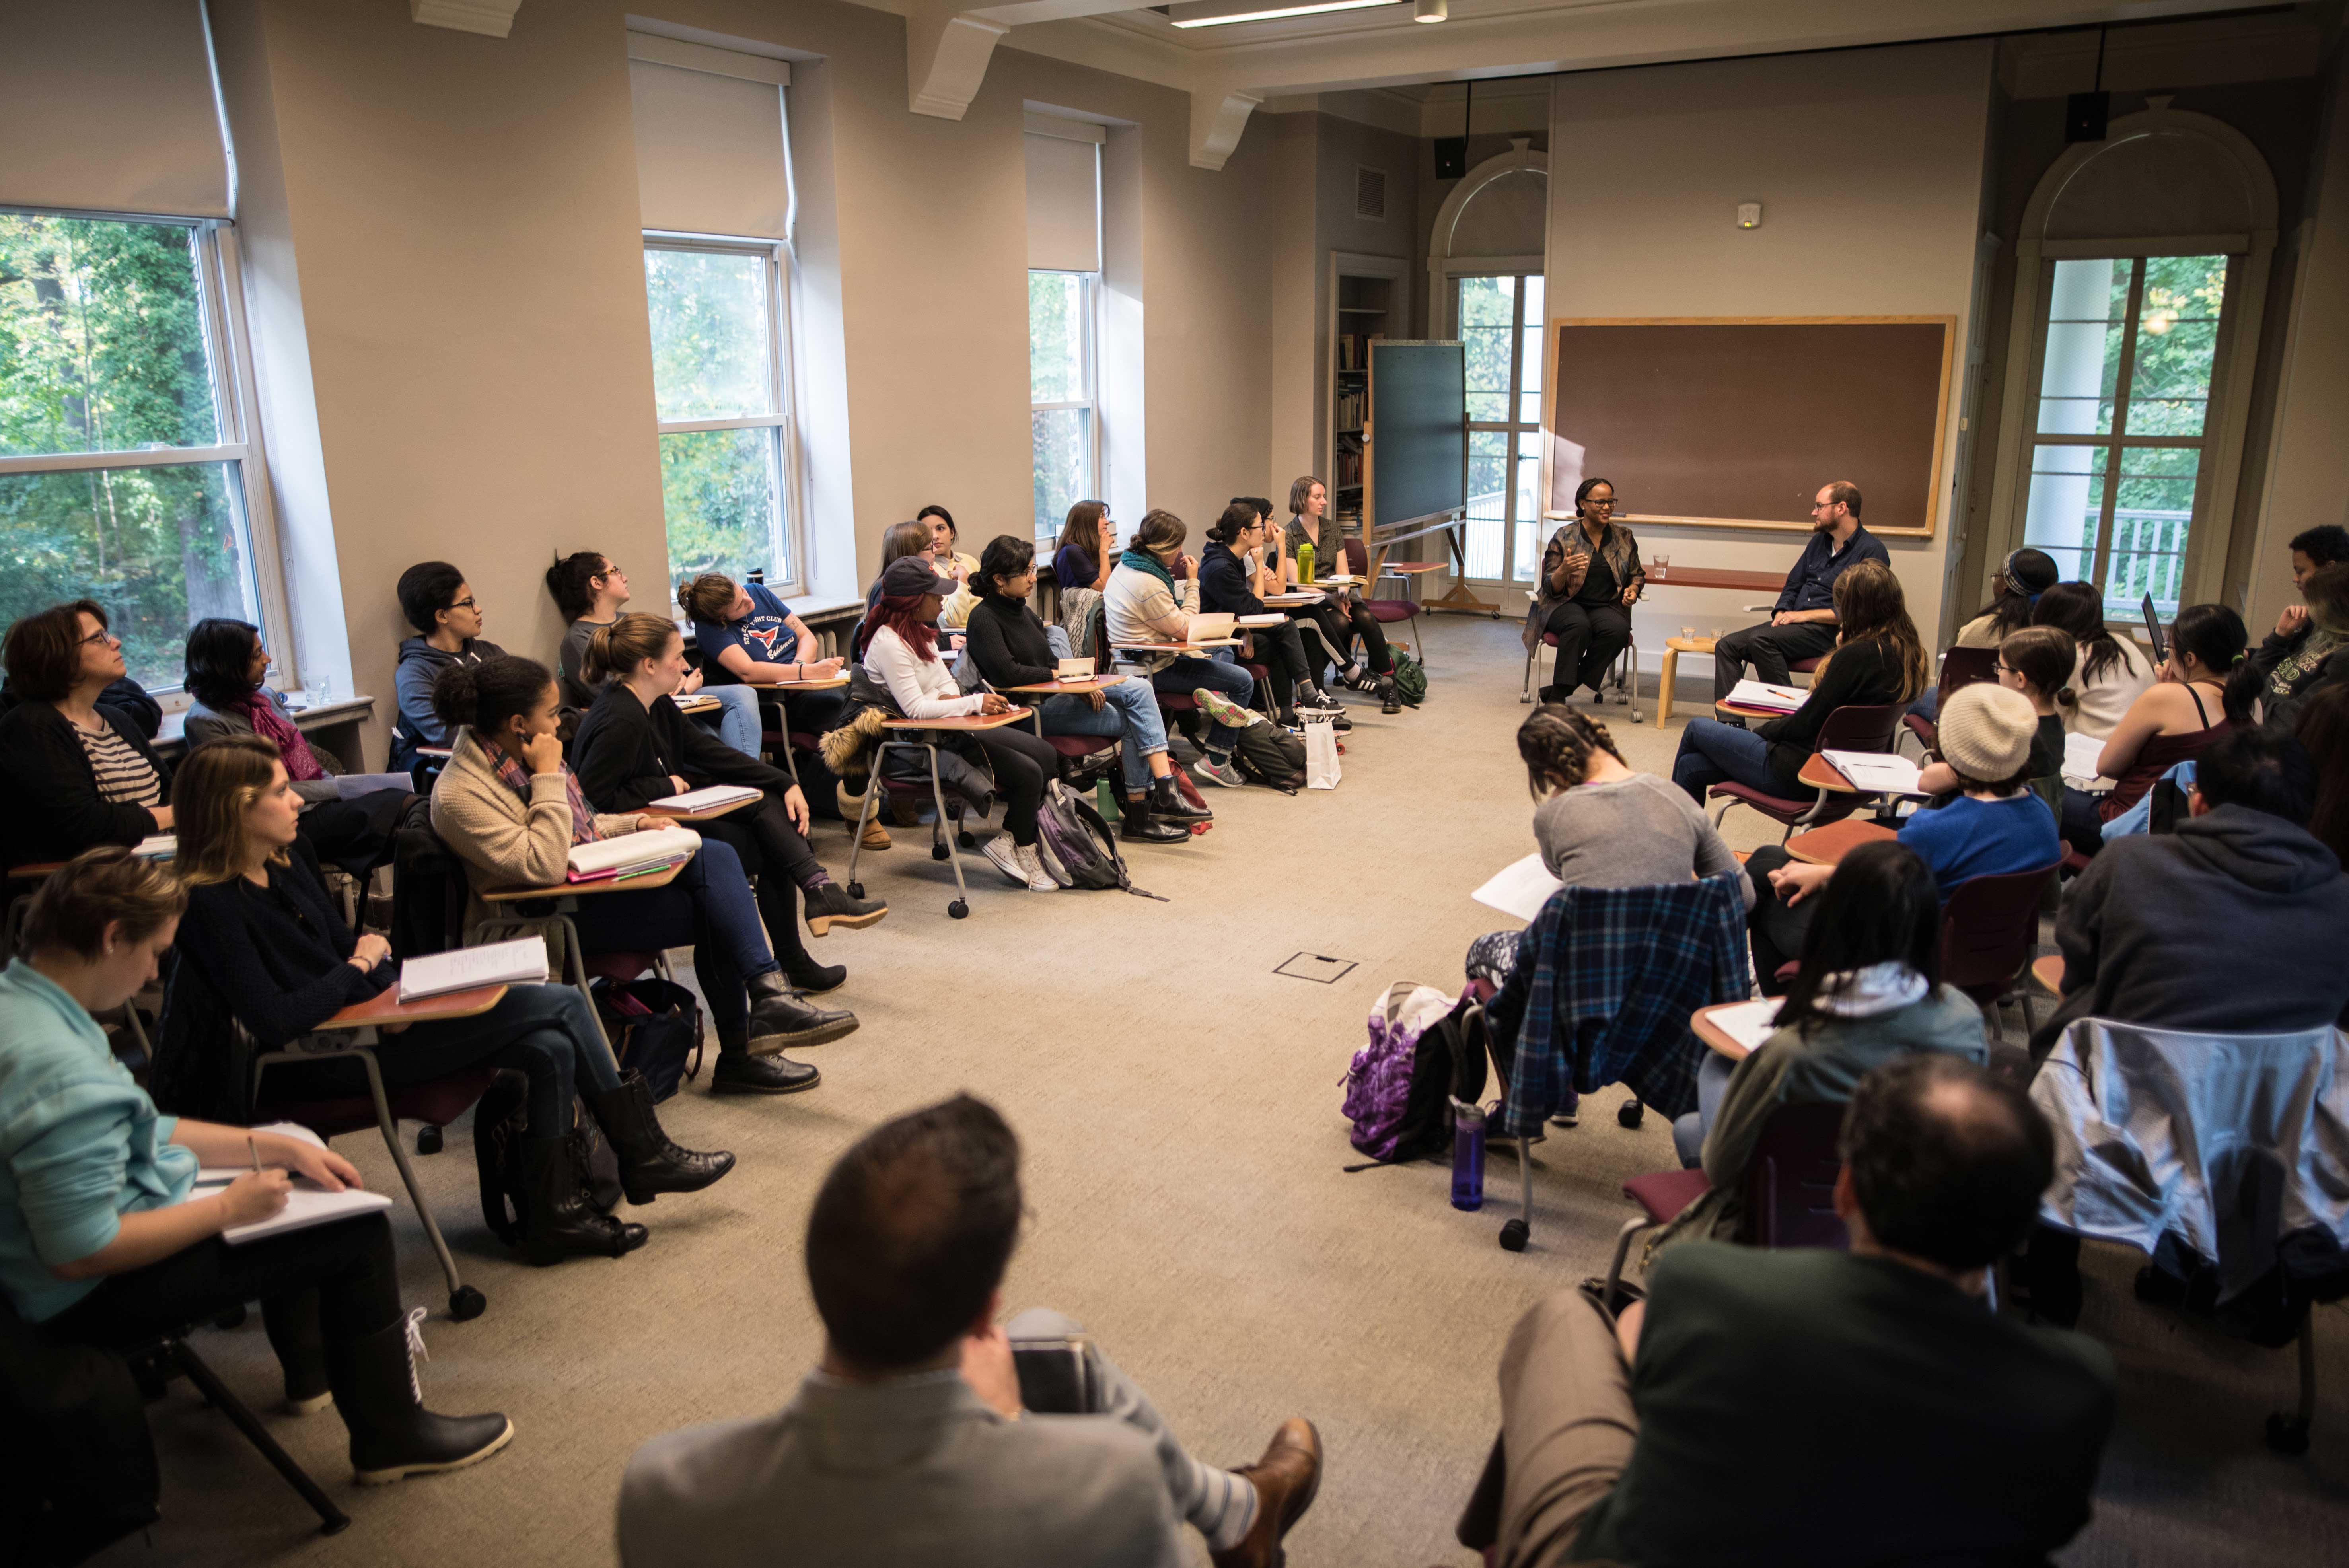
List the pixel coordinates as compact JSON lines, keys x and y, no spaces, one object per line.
{"x":270,"y":945}
{"x":106,"y":1234}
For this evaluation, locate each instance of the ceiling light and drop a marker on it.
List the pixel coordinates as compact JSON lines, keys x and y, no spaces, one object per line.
{"x":1224,"y":12}
{"x":1430,"y":10}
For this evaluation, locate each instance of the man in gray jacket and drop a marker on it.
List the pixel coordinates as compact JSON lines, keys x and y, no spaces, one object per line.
{"x":909,"y":1445}
{"x":2230,"y":925}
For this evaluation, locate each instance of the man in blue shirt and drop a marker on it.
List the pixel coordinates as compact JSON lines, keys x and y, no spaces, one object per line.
{"x":1803,"y":623}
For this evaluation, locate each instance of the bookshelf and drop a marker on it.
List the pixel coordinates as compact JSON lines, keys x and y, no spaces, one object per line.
{"x":1369,"y":297}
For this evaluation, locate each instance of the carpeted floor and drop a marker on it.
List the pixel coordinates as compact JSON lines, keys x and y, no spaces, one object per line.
{"x":1179,"y":1105}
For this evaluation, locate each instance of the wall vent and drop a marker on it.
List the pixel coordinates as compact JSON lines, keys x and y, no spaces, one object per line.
{"x":1371,"y":193}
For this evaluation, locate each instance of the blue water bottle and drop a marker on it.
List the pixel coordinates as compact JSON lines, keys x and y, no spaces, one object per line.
{"x":1467,"y":1156}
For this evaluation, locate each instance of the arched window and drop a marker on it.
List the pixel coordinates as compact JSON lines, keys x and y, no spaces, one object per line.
{"x":2140,"y":274}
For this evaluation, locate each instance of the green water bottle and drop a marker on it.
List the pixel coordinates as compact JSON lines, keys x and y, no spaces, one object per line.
{"x":1105,"y":801}
{"x":1305,"y":563}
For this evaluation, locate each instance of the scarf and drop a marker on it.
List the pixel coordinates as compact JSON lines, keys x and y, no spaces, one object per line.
{"x":1865,"y":993}
{"x":302,"y":764}
{"x":509,"y":774}
{"x":1142,"y":560}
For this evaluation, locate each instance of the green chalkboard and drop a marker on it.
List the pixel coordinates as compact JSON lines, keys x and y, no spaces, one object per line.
{"x":1418,"y":450}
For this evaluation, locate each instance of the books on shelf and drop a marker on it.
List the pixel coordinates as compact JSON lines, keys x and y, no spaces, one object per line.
{"x":1351,"y":407}
{"x":711,"y":797}
{"x":631,"y":854}
{"x":1354,"y":349}
{"x":521,"y":962}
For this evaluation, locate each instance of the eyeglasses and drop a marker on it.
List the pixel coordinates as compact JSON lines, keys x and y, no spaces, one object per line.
{"x":467,"y":603}
{"x":101,"y":636}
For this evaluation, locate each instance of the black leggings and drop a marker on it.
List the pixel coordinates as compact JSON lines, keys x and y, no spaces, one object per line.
{"x":1347,"y":619}
{"x":1590,"y":638}
{"x":1023,"y":765}
{"x":1282,"y":650}
{"x":1776,"y":930}
{"x":773,"y":853}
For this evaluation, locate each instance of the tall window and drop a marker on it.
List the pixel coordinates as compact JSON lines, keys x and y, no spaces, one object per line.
{"x":122,"y":455}
{"x":1061,"y":381}
{"x":2124,"y":404}
{"x":720,"y":394}
{"x":1501,"y":324}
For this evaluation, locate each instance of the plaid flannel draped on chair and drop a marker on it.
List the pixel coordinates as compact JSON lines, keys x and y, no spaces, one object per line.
{"x":1617,"y":973}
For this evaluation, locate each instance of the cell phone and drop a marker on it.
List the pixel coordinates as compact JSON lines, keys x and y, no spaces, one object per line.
{"x":1056,"y":1376}
{"x":2153,"y":626}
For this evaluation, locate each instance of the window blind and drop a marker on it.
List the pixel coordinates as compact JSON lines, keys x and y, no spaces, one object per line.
{"x":1063,"y":199}
{"x":106,"y":105}
{"x":710,"y":139}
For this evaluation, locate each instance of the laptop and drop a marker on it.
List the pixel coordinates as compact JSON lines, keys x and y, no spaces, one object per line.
{"x":2153,"y":629}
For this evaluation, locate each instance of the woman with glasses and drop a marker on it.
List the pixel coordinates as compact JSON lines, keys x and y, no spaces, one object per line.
{"x":73,"y":774}
{"x":1590,"y":575}
{"x":440,"y":604}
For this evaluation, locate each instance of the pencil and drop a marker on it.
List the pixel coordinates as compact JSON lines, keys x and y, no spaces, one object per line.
{"x":254,"y":1149}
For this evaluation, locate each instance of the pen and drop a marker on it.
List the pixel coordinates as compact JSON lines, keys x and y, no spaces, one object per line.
{"x":254,"y":1149}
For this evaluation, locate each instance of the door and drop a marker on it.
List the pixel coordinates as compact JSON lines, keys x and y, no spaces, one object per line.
{"x":1500,"y":321}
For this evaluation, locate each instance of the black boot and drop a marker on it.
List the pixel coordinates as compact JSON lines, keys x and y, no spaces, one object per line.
{"x":830,"y":906}
{"x":291,"y":1322}
{"x":1140,"y":825}
{"x":780,"y":1021}
{"x":651,"y":1162}
{"x":558,"y":1221}
{"x":1389,"y":699}
{"x":1167,"y":803}
{"x":806,"y":975}
{"x":740,"y":1072}
{"x":393,"y":1436}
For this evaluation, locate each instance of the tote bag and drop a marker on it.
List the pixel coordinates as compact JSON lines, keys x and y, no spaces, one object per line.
{"x":1321,"y":769}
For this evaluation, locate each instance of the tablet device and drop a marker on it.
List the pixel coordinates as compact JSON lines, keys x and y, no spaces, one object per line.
{"x":2153,"y":626}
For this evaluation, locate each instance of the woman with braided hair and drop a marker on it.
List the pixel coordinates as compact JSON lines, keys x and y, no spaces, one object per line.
{"x":1600,"y":824}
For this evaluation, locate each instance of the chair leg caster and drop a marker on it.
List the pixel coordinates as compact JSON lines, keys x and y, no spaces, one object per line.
{"x":465,"y":1304}
{"x":428,"y":1140}
{"x":958,"y":910}
{"x":857,"y":889}
{"x":964,"y":837}
{"x":1513,"y":1236}
{"x":1628,"y":1114}
{"x":939,"y":852}
{"x":2287,"y":1434}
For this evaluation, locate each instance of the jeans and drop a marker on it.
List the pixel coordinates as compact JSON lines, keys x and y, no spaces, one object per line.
{"x":737,"y":721}
{"x":708,"y":906}
{"x":1714,"y":753}
{"x":1023,"y":765}
{"x":1223,"y":677}
{"x":1590,"y":638}
{"x":1711,"y":1088}
{"x":771,"y":849}
{"x":2079,"y":826}
{"x":1770,"y":650}
{"x":1129,"y":712}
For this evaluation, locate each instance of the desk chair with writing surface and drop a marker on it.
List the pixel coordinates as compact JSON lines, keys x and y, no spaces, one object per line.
{"x":1849,"y":728}
{"x":922,"y":737}
{"x":1990,"y":928}
{"x":1960,"y":667}
{"x":1385,"y":611}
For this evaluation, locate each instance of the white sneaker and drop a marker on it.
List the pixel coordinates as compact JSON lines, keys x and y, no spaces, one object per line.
{"x":1039,"y":878}
{"x":1006,"y":856}
{"x":1230,"y":775}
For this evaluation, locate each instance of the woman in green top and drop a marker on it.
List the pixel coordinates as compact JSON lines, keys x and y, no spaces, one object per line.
{"x":1339,"y":615}
{"x":110,"y":1235}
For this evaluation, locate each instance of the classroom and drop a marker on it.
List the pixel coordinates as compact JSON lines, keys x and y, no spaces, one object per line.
{"x":1627,"y":847}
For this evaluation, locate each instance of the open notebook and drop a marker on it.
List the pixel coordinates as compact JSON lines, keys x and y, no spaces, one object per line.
{"x":305,"y":1205}
{"x":1212,"y":628}
{"x":1519,"y":888}
{"x":1762,"y":694}
{"x":709,"y":798}
{"x":1748,"y":1023}
{"x":631,"y":854}
{"x":521,"y":962}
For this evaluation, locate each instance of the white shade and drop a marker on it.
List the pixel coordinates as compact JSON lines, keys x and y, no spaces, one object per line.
{"x":1064,"y":204}
{"x":709,"y":150}
{"x":106,"y":105}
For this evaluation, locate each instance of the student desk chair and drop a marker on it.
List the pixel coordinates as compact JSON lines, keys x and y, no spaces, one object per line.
{"x":559,"y":902}
{"x":906,"y":734}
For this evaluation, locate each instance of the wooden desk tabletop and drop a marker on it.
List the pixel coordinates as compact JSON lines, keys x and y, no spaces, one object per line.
{"x":1738,"y":710}
{"x":707,"y":814}
{"x":1702,"y":1025}
{"x":1295,"y":598}
{"x":1405,"y":567}
{"x":827,"y":683}
{"x":1091,"y":682}
{"x":387,"y":1008}
{"x":639,"y":882}
{"x":1680,"y":576}
{"x":696,"y":703}
{"x":2048,"y":970}
{"x":36,"y":870}
{"x":960,"y":721}
{"x":1199,"y":648}
{"x":1821,"y":774}
{"x":1826,"y":846}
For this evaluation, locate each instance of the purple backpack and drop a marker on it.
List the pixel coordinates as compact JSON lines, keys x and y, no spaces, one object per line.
{"x":1399,"y":1088}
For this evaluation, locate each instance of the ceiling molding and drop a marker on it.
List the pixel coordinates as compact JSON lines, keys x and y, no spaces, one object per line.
{"x":491,"y":18}
{"x":1217,"y":118}
{"x":947,"y":51}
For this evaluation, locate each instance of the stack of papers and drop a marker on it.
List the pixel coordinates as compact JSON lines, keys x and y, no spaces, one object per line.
{"x":1748,"y":1023}
{"x":1876,"y":772}
{"x":2080,"y":754}
{"x":1774,"y":698}
{"x":709,"y":798}
{"x":1520,"y":889}
{"x":1211,"y":628}
{"x":1270,"y":619}
{"x":521,"y":962}
{"x":305,"y":1206}
{"x":1073,"y":669}
{"x":632,"y":854}
{"x":157,"y":847}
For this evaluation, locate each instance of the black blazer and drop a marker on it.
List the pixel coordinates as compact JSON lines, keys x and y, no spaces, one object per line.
{"x":278,"y":957}
{"x":625,"y":752}
{"x":50,"y":809}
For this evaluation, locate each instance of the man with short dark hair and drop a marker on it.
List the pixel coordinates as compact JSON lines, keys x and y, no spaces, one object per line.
{"x":440,"y":604}
{"x":1818,"y":1408}
{"x":908,"y":1445}
{"x":2231,"y":924}
{"x":1803,"y":624}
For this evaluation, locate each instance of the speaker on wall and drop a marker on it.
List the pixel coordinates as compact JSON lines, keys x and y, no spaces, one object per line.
{"x":1452,"y":158}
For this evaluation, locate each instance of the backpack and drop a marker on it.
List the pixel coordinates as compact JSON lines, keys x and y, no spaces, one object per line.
{"x":1075,"y":844}
{"x":1270,"y":755}
{"x":654,"y":1027}
{"x":1425,"y":1050}
{"x":500,"y":1127}
{"x":1410,"y":679}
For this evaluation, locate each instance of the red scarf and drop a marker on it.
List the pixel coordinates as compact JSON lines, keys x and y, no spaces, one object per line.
{"x":270,"y":723}
{"x":509,"y":774}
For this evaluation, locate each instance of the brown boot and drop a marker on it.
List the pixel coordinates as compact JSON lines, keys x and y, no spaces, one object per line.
{"x":1286,"y":1480}
{"x":875,"y":836}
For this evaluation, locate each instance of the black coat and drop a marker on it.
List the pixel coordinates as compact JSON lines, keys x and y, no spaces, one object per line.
{"x":625,"y":752}
{"x":125,"y":694}
{"x":50,"y":809}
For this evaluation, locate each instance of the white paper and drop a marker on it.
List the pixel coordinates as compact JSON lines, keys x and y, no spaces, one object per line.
{"x":351,"y":786}
{"x":1748,"y":1023}
{"x":705,"y":799}
{"x":305,"y":1205}
{"x":1520,"y":888}
{"x":521,"y":962}
{"x":1876,"y":772}
{"x":630,"y":851}
{"x":1777,"y":698}
{"x":2080,"y":754}
{"x":1209,"y":628}
{"x":222,"y":1175}
{"x":1073,"y":669}
{"x":1263,"y":620}
{"x":157,"y":847}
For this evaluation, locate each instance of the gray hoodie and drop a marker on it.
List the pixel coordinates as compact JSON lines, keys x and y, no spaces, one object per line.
{"x":420,"y":664}
{"x":2232,"y":925}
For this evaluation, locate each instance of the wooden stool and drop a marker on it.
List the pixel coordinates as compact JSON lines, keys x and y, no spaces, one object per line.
{"x":1674,"y":648}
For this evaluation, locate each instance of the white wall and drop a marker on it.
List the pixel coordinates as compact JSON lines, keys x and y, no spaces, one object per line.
{"x":1870,"y":167}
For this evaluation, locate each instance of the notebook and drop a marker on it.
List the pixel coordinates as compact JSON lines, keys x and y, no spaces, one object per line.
{"x":609,"y":857}
{"x":1264,"y":620}
{"x":2081,"y":753}
{"x":1876,"y":772}
{"x":1748,"y":1023}
{"x":1211,"y":628}
{"x":521,"y":962}
{"x":1775,"y":698}
{"x":305,"y":1205}
{"x":157,"y":847}
{"x":1073,"y":669}
{"x":1519,"y":888}
{"x":709,"y":798}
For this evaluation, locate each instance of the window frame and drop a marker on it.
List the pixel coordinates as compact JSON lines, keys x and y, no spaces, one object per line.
{"x":1094,"y":482}
{"x":785,"y":529}
{"x":236,"y":412}
{"x":1519,"y":430}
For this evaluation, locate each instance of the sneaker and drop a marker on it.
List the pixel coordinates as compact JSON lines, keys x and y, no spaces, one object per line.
{"x":1222,"y":709}
{"x":1311,"y":698}
{"x":1006,"y":856}
{"x":1358,"y":678}
{"x":1030,"y":861}
{"x":1225,"y":773}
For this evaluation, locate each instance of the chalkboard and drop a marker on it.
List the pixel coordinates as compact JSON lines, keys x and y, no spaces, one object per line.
{"x":1417,"y":463}
{"x":1738,"y":422}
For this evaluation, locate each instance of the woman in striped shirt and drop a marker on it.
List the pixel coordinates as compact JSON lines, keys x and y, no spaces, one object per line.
{"x":73,"y":774}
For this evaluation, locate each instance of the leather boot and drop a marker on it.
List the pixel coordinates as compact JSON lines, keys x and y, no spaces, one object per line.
{"x":558,"y":1221}
{"x":830,"y":906}
{"x":393,"y":1436}
{"x":1286,"y":1480}
{"x":806,"y":975}
{"x":740,"y":1072}
{"x":1167,"y":803}
{"x":780,"y":1021}
{"x":651,"y":1162}
{"x":1140,"y":825}
{"x":291,"y":1322}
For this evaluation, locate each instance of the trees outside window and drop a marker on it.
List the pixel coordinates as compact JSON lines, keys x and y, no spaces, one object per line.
{"x":1500,"y":324}
{"x":1062,"y":422}
{"x":122,"y":470}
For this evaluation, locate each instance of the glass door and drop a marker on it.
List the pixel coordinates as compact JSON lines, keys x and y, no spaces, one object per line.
{"x":1500,"y":321}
